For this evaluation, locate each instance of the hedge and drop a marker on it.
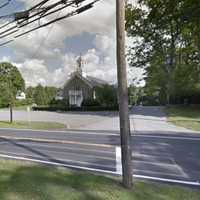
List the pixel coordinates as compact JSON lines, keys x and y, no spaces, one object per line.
{"x":83,"y":108}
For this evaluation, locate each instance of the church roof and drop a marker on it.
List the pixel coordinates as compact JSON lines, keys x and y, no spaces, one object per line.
{"x":95,"y":81}
{"x":89,"y":80}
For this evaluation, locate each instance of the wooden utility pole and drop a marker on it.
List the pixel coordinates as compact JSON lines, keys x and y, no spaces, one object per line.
{"x":123,"y":96}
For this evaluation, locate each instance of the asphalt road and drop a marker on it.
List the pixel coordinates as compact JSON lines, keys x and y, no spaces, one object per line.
{"x":166,"y":157}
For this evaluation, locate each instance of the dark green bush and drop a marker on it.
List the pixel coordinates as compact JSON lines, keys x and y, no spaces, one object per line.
{"x":90,"y":102}
{"x":82,"y":109}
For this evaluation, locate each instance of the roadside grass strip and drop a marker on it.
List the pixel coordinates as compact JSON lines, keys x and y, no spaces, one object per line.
{"x":187,"y":117}
{"x":29,"y":181}
{"x":33,"y":125}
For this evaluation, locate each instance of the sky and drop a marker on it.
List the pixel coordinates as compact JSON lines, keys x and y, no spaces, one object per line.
{"x":48,"y":56}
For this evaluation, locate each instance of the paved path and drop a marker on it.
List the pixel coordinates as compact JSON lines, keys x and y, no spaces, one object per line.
{"x":153,"y":119}
{"x":72,"y":120}
{"x":142,"y":120}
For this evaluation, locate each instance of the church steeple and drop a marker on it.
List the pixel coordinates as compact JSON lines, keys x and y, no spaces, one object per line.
{"x":79,"y":65}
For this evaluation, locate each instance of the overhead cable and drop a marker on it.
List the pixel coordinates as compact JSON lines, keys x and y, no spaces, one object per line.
{"x":5,"y":4}
{"x":38,"y":18}
{"x":73,"y":13}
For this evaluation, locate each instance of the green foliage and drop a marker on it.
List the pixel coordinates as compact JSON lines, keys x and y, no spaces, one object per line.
{"x":166,"y":35}
{"x":24,"y":102}
{"x":30,"y":92}
{"x":79,"y":109}
{"x":107,"y":95}
{"x":5,"y":95}
{"x":90,"y":102}
{"x":11,"y":82}
{"x":59,"y":103}
{"x":41,"y":95}
{"x":135,"y":95}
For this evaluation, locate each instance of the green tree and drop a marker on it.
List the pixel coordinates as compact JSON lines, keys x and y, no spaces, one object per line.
{"x":40,"y":97}
{"x":51,"y":93}
{"x":11,"y":81}
{"x":107,"y":95}
{"x":5,"y":95}
{"x":166,"y":35}
{"x":11,"y":75}
{"x":30,"y":92}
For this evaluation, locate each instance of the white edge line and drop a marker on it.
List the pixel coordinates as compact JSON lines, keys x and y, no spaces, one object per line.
{"x":102,"y":171}
{"x":57,"y":164}
{"x":167,"y":180}
{"x":168,"y":137}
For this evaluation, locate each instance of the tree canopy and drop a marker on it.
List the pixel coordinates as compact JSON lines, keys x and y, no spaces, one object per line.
{"x":166,"y":43}
{"x":11,"y":81}
{"x":41,"y":95}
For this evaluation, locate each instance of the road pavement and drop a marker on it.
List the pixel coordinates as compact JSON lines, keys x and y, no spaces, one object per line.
{"x":160,"y":151}
{"x":165,"y":157}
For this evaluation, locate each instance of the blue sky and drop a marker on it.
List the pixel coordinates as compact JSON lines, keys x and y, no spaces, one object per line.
{"x":48,"y":56}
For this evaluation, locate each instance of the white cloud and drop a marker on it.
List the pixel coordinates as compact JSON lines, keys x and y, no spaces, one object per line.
{"x":36,"y":50}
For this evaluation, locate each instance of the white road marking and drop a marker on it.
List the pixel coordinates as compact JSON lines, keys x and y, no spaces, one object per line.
{"x":56,"y":164}
{"x":191,"y":183}
{"x":157,"y":173}
{"x":169,"y":137}
{"x":118,"y":160}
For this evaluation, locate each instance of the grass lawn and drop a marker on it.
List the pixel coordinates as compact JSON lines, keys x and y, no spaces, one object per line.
{"x":32,"y":125}
{"x":20,"y":181}
{"x":188,"y":117}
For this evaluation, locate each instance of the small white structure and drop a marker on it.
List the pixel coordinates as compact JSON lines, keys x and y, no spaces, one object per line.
{"x":59,"y":95}
{"x":20,"y":95}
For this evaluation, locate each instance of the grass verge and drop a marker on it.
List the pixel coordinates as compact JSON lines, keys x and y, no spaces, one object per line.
{"x":32,"y":125}
{"x":188,"y":117}
{"x":29,"y":181}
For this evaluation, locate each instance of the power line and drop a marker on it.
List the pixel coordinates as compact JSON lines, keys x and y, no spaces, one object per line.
{"x":5,"y":4}
{"x":45,"y":39}
{"x":7,"y":42}
{"x":76,"y":12}
{"x":42,"y":16}
{"x":73,"y":13}
{"x":27,"y":12}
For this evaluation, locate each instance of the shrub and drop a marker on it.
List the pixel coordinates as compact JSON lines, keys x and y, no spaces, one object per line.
{"x":81,"y":109}
{"x":24,"y":102}
{"x":59,"y":103}
{"x":90,"y":102}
